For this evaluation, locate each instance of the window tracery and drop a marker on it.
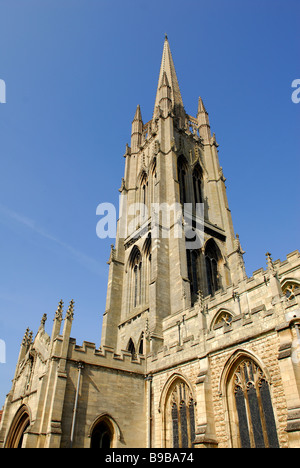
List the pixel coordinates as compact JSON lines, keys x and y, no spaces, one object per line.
{"x":289,"y":289}
{"x":253,"y":407}
{"x":224,"y":318}
{"x":136,"y":276}
{"x":197,"y":185}
{"x":180,"y":409}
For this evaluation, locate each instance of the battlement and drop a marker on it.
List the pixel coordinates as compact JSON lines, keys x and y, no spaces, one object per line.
{"x":105,"y":356}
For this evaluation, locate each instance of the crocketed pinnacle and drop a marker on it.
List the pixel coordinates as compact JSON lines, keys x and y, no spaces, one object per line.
{"x":70,"y":311}
{"x":59,"y":311}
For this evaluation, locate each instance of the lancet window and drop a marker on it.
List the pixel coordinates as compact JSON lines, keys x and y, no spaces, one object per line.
{"x":197,"y":185}
{"x":102,"y":435}
{"x":212,"y":260}
{"x":131,"y":348}
{"x":135,"y":277}
{"x":182,"y":179}
{"x":144,"y":197}
{"x":193,"y":272}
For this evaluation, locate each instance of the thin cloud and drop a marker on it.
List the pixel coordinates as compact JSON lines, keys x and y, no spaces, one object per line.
{"x":29,"y":223}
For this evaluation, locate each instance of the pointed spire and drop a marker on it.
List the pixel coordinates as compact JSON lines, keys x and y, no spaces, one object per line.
{"x":167,"y":67}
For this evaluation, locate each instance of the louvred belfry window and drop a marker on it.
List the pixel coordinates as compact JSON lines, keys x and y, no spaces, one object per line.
{"x":254,"y":410}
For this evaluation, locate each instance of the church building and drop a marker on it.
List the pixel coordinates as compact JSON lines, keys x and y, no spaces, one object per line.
{"x":194,"y":353}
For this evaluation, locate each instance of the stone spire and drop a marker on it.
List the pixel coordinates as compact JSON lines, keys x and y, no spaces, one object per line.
{"x":167,"y":66}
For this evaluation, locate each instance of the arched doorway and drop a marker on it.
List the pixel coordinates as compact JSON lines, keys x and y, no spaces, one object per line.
{"x":102,"y":434}
{"x":18,"y":428}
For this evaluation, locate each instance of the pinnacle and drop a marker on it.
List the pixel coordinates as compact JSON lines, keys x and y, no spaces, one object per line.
{"x":70,"y":311}
{"x":201,"y":107}
{"x":138,"y":114}
{"x":59,"y":311}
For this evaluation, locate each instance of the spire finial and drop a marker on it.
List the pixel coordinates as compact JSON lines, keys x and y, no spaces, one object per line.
{"x":166,"y":37}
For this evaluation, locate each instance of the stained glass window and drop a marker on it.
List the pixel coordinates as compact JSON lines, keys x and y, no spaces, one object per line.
{"x":256,"y":422}
{"x":183,"y":416}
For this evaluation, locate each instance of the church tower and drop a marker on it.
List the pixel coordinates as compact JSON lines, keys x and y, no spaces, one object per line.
{"x":159,"y":266}
{"x":193,"y":353}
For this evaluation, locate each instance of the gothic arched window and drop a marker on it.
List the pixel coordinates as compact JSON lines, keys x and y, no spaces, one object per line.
{"x":102,"y":435}
{"x":193,"y":272}
{"x":141,"y":344}
{"x":182,"y":176}
{"x":144,"y":196}
{"x":180,"y":414}
{"x":197,"y":185}
{"x":212,"y":259}
{"x":131,"y":348}
{"x":253,"y":415}
{"x":135,"y":263}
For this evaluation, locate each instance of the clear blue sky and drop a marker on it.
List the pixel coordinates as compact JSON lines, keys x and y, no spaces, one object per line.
{"x":75,"y":71}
